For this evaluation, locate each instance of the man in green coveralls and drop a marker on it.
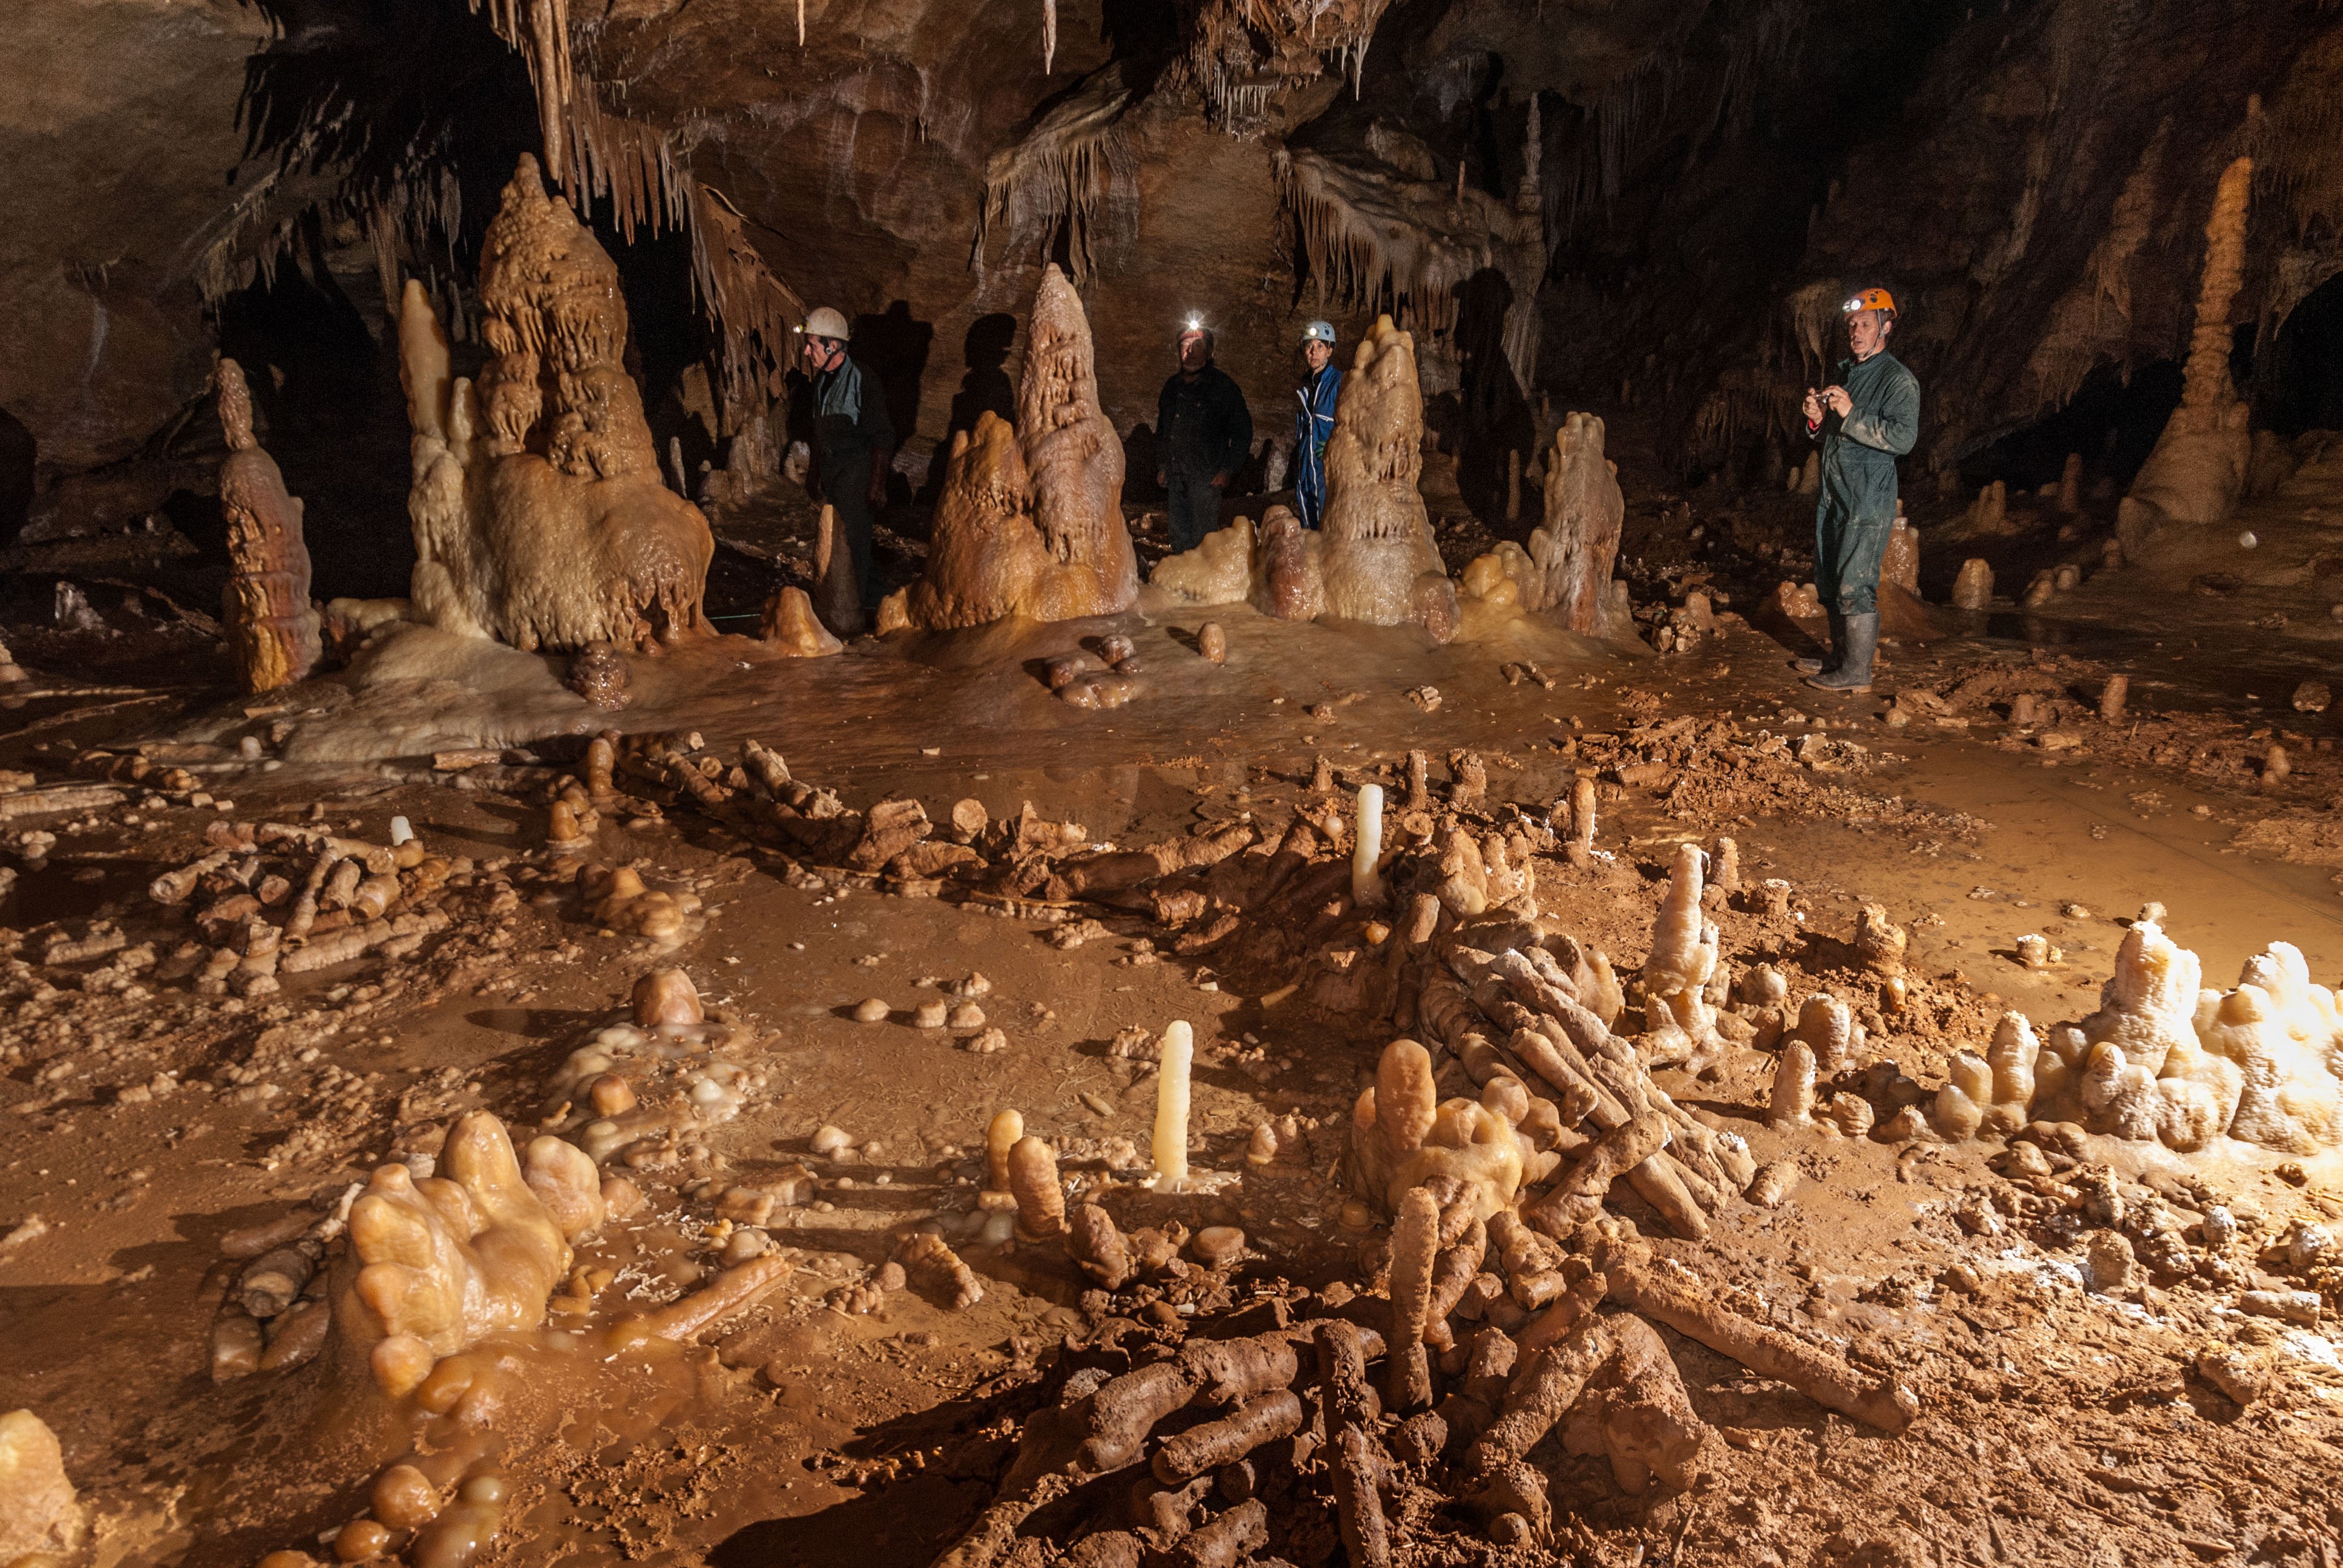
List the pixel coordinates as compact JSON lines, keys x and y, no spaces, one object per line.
{"x":1866,"y":420}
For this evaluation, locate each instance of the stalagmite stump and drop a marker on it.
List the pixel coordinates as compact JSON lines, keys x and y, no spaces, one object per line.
{"x":1585,"y":510}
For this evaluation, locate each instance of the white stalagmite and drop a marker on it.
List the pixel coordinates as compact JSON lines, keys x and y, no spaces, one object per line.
{"x":1366,"y":882}
{"x":1171,"y":1103}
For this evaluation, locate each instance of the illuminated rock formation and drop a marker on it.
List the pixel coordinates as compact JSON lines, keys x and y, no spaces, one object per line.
{"x":985,"y":554}
{"x":1583,"y":512}
{"x":2197,"y":471}
{"x":1379,"y":562}
{"x":539,"y":515}
{"x":39,"y":1515}
{"x":1030,"y":524}
{"x":1073,"y":460}
{"x":272,"y":625}
{"x":435,"y":1265}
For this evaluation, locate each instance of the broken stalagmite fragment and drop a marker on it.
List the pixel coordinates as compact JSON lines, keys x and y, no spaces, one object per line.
{"x":1171,"y":1141}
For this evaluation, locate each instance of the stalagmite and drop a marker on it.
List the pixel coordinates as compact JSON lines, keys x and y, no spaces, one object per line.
{"x":1414,"y":1238}
{"x":790,"y":625}
{"x":1367,"y":851}
{"x":1171,"y":1141}
{"x":2197,"y":471}
{"x":1007,"y":1127}
{"x":2112,"y":696}
{"x":1041,"y":1201}
{"x":272,"y":626}
{"x":1380,"y":563}
{"x":1030,"y":522}
{"x":1973,"y":589}
{"x":1580,"y":849}
{"x":1680,"y":1020}
{"x":538,"y":513}
{"x":1585,"y":510}
{"x":1792,"y":1103}
{"x":2070,"y":484}
{"x":1073,"y":458}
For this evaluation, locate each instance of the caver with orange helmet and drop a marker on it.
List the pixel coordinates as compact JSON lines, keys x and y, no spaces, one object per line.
{"x":1866,"y":419}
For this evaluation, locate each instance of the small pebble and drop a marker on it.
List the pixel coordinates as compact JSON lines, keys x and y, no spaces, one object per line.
{"x":931,"y":1014}
{"x":827,"y":1140}
{"x":870,"y":1010}
{"x":965,"y":1015}
{"x":986,"y":1043}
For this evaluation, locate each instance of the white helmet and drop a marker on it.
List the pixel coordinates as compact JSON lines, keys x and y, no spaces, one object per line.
{"x":824,"y":322}
{"x":1319,"y":332}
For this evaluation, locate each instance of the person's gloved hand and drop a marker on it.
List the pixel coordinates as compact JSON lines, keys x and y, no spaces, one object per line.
{"x":1840,"y":403}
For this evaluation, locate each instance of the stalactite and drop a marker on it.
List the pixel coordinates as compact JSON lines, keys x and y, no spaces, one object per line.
{"x":753,"y":312}
{"x":1074,"y":165}
{"x":1048,"y":35}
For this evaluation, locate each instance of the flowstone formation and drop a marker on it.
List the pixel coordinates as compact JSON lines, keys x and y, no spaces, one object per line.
{"x":2197,"y":471}
{"x":539,"y":515}
{"x":1585,"y":510}
{"x":272,"y":626}
{"x":1030,"y":522}
{"x":1379,"y":562}
{"x":2161,"y":1061}
{"x":985,"y":554}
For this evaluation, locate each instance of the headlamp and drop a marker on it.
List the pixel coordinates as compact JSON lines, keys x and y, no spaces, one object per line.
{"x":1852,"y":305}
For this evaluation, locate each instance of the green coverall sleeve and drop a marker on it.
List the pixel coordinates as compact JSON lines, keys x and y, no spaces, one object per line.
{"x":1893,"y":427}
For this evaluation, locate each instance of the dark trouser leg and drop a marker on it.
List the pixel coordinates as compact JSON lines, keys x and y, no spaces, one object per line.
{"x":851,"y":502}
{"x":1194,"y":510}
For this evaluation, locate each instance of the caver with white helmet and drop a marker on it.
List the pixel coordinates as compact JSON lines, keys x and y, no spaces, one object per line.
{"x":1314,"y":424}
{"x":853,"y":438}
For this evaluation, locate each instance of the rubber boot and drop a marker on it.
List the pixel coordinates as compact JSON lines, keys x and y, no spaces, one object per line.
{"x":1829,"y":662}
{"x":1853,"y":673}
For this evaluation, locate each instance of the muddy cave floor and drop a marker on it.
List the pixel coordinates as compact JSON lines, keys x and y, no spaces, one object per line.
{"x":2058,"y":1424}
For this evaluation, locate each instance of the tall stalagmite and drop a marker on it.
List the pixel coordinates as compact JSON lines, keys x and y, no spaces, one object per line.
{"x":1030,"y":523}
{"x":2199,"y":467}
{"x":539,"y":515}
{"x":272,"y":625}
{"x":1380,"y":565}
{"x":1074,"y":461}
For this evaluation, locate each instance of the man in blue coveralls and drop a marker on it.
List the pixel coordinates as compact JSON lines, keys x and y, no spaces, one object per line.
{"x":1316,"y":423}
{"x":1866,"y":420}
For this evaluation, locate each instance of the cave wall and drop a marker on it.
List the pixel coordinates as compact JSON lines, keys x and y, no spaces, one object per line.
{"x":118,"y":133}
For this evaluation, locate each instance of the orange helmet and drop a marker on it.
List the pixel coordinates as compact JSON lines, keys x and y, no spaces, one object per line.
{"x":1871,"y":299}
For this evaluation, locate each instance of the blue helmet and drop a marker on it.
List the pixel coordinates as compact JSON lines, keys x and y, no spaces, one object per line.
{"x":1319,"y":332}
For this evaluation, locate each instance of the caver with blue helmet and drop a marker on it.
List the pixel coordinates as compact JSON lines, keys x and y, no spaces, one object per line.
{"x":1316,"y":423}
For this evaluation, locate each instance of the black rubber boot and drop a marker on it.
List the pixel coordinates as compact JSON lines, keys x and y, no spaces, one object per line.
{"x":1853,"y":673}
{"x":1829,"y":662}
